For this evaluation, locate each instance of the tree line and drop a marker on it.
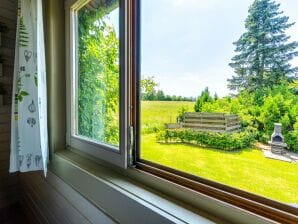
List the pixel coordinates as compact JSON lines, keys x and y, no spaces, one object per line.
{"x":149,"y":92}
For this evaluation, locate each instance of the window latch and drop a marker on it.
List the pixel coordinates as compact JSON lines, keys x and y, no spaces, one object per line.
{"x":131,"y":155}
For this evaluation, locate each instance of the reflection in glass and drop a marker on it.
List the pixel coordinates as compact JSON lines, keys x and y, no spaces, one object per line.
{"x":98,"y":72}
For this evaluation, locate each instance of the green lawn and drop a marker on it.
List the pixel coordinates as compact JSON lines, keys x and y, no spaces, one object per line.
{"x":156,"y":113}
{"x":246,"y":169}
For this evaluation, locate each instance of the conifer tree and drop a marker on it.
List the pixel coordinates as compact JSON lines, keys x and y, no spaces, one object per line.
{"x":263,"y":52}
{"x":203,"y":98}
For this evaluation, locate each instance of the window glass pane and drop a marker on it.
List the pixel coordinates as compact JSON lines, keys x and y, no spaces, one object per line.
{"x":219,"y":91}
{"x":98,"y":72}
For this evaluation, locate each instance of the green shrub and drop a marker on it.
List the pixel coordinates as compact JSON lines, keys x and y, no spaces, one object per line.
{"x":181,"y":112}
{"x":292,"y":140}
{"x":224,"y":141}
{"x":151,"y":128}
{"x":262,"y":108}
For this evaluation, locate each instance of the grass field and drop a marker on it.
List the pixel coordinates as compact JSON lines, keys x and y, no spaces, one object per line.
{"x":246,"y":169}
{"x":156,"y":113}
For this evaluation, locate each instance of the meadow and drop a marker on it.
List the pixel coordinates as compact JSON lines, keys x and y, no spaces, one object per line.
{"x":245,"y":169}
{"x":154,"y":114}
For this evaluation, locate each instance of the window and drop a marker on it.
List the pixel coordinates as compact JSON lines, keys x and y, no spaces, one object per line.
{"x":97,"y":121}
{"x":97,"y":90}
{"x":158,"y":85}
{"x":216,"y":104}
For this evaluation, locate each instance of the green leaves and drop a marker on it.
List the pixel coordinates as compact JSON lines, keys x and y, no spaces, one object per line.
{"x":223,"y":141}
{"x":35,"y":80}
{"x":23,"y":35}
{"x":98,"y":88}
{"x":148,"y":87}
{"x":292,"y":140}
{"x":204,"y":98}
{"x":20,"y":95}
{"x":262,"y":108}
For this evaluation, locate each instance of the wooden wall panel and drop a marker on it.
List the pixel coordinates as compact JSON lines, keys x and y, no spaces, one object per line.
{"x":50,"y":200}
{"x":8,"y":182}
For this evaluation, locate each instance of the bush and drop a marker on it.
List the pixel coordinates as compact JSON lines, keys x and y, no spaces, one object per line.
{"x":292,"y":140}
{"x":181,"y":112}
{"x":262,"y":108}
{"x":151,"y":128}
{"x":223,"y":141}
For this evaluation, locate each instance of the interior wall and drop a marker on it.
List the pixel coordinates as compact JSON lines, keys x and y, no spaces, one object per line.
{"x":50,"y":199}
{"x":8,"y":182}
{"x":54,"y":17}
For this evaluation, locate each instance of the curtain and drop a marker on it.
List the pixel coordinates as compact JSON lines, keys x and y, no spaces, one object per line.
{"x":29,"y":139}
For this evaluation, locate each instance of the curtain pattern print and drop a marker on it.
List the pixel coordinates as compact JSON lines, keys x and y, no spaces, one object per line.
{"x":29,"y":140}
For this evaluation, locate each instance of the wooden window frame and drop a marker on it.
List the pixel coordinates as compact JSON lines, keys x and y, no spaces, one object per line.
{"x":261,"y":206}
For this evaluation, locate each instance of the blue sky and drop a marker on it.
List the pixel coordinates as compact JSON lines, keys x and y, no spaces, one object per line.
{"x":187,"y":44}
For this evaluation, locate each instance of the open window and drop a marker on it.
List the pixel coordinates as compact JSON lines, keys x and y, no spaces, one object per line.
{"x":213,"y":114}
{"x":151,"y":84}
{"x":97,"y":86}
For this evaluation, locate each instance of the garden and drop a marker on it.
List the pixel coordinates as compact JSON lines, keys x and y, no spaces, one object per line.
{"x":263,"y":91}
{"x":258,"y":111}
{"x":245,"y":168}
{"x":263,"y":95}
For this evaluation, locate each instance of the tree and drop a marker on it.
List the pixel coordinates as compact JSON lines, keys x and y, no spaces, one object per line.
{"x":263,"y":52}
{"x":148,"y":88}
{"x":216,"y":97}
{"x":203,"y":98}
{"x":160,"y":95}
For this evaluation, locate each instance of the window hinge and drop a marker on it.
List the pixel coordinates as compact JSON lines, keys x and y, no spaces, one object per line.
{"x":131,"y":151}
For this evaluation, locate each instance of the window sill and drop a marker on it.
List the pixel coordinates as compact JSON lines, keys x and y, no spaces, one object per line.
{"x":134,"y":190}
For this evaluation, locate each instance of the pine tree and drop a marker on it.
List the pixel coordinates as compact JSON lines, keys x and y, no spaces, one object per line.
{"x":203,"y":98}
{"x":215,"y":97}
{"x":263,"y":52}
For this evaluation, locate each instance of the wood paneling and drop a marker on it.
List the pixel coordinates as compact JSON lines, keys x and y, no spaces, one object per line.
{"x":13,"y":214}
{"x":8,"y":182}
{"x":52,"y":201}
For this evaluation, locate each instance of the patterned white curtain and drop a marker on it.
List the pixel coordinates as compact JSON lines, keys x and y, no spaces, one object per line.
{"x":29,"y":137}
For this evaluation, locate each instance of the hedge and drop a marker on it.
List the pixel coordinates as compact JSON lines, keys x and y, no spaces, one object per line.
{"x":291,"y":139}
{"x":223,"y":141}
